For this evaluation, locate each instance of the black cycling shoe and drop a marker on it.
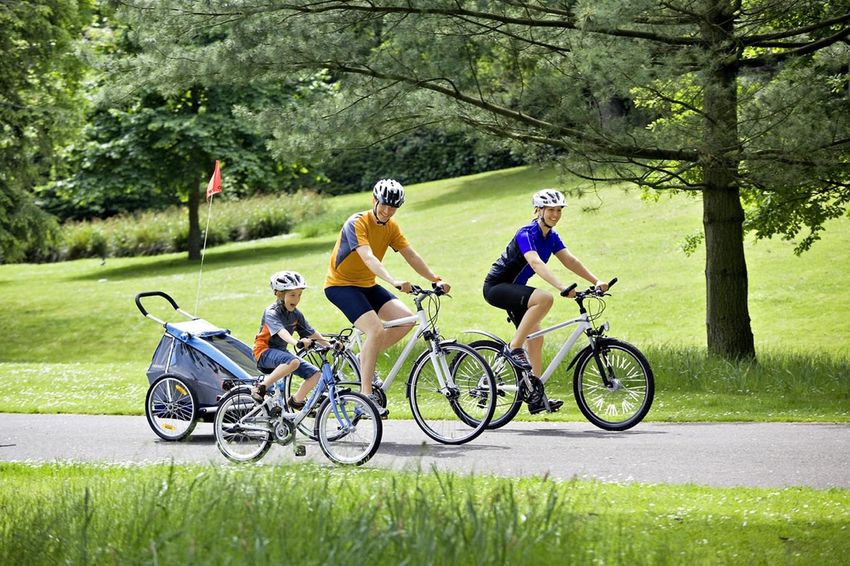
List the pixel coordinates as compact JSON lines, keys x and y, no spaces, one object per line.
{"x":518,"y":357}
{"x":554,"y":405}
{"x":295,"y":405}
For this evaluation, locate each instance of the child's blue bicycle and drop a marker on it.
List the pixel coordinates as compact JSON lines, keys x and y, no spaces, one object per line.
{"x":347,"y":424}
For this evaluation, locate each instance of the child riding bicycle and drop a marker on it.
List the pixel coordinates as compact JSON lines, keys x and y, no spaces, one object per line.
{"x":279,"y":323}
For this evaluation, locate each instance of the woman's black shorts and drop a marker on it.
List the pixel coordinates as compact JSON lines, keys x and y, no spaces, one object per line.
{"x":510,"y":297}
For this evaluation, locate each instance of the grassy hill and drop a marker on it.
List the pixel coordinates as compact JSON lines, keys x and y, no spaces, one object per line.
{"x":82,"y":312}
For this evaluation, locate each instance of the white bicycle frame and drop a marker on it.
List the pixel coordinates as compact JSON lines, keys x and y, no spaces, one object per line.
{"x":421,"y":322}
{"x":583,"y":322}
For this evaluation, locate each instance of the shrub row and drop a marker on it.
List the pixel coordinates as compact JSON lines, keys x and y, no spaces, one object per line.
{"x":152,"y":233}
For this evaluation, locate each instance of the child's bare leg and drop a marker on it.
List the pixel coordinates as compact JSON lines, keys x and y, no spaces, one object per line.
{"x":281,"y":371}
{"x":307,"y":386}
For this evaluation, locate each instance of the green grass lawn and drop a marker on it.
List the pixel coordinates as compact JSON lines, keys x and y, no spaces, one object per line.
{"x":74,"y":340}
{"x":306,"y":514}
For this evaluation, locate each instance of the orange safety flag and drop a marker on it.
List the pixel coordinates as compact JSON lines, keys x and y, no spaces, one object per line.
{"x":214,"y":186}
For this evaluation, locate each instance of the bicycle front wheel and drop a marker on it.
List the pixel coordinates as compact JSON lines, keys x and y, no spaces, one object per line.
{"x":242,"y":427}
{"x":460,"y":410}
{"x":347,"y":374}
{"x":350,"y":430}
{"x":623,"y":398}
{"x":508,"y":398}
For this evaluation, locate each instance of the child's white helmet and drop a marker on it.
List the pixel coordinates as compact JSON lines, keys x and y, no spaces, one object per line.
{"x":389,"y":192}
{"x":548,"y":197}
{"x":287,"y":281}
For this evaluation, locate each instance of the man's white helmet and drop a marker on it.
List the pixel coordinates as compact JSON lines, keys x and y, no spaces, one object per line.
{"x":389,"y":192}
{"x":548,"y":197}
{"x":287,"y":281}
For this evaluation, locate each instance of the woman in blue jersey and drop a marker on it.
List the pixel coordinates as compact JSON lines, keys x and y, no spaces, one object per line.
{"x":526,"y":255}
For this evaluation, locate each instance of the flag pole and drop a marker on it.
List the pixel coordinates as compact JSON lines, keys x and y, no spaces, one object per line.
{"x":203,"y":255}
{"x":213,"y":187}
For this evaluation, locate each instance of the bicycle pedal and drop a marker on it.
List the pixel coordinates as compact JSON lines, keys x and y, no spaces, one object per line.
{"x":300,"y":450}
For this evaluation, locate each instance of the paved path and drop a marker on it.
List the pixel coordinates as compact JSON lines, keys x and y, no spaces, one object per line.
{"x":736,"y":454}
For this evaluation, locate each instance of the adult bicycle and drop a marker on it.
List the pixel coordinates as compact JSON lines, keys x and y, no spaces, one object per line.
{"x":450,"y":387}
{"x":346,"y":423}
{"x":613,"y":383}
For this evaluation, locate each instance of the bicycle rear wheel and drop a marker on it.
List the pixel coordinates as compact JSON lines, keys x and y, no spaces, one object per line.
{"x":349,"y":431}
{"x":242,"y":427}
{"x":460,"y":411}
{"x":507,"y":378}
{"x":626,"y":400}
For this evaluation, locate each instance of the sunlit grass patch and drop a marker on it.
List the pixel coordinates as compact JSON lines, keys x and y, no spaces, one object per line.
{"x":84,"y":388}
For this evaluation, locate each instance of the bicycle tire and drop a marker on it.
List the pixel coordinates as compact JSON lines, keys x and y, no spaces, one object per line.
{"x":630,"y":401}
{"x":507,"y":378}
{"x":351,"y":434}
{"x":349,"y":371}
{"x":238,"y":445}
{"x":453,"y":417}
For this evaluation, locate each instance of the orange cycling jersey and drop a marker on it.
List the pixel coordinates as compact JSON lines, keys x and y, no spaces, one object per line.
{"x":346,"y":266}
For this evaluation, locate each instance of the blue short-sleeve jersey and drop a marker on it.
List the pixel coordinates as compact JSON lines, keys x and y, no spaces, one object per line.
{"x":511,"y":267}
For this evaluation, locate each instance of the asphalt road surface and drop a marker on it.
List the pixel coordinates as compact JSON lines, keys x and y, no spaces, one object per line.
{"x":715,"y":454}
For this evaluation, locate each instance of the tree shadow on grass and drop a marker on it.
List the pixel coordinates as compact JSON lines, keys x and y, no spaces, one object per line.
{"x":277,"y":249}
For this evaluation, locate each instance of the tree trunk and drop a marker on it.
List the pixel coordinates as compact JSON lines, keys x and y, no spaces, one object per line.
{"x":195,"y":235}
{"x":727,"y":315}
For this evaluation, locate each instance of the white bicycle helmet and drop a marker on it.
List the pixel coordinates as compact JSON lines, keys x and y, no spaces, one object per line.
{"x":287,"y":281}
{"x":389,"y":192}
{"x":548,"y":197}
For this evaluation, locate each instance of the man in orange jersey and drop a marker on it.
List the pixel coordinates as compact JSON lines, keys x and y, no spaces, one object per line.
{"x":356,"y":262}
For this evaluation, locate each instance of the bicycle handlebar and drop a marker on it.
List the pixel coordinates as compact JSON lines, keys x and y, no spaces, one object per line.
{"x":416,"y":290}
{"x":567,"y":291}
{"x":592,"y":291}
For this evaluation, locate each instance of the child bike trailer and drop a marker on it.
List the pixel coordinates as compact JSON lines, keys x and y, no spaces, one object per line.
{"x":193,"y":366}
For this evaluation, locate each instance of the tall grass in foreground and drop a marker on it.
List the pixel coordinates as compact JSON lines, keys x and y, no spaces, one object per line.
{"x":83,"y":514}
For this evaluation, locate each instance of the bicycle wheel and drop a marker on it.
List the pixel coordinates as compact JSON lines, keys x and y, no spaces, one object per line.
{"x":508,"y":398}
{"x":626,"y":401}
{"x":171,"y":408}
{"x":348,"y":375}
{"x":349,"y":431}
{"x":460,"y":411}
{"x":242,"y":427}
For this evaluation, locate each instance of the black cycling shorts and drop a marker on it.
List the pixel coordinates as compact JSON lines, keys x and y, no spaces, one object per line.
{"x":510,"y":297}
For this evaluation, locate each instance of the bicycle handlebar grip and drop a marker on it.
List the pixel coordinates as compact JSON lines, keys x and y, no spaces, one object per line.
{"x":611,"y":283}
{"x":438,"y":288}
{"x":165,"y":296}
{"x":567,"y":291}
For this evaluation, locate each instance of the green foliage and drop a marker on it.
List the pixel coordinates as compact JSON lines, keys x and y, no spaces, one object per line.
{"x":40,"y":109}
{"x":101,"y":514}
{"x":153,"y":233}
{"x":413,"y":158}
